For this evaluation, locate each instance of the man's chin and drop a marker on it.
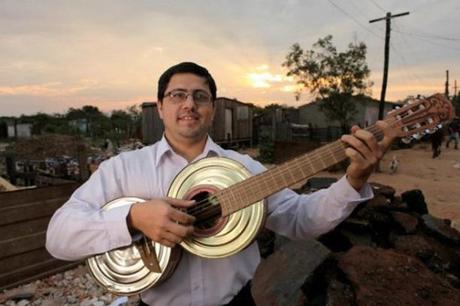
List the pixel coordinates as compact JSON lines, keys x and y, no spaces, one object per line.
{"x":194,"y":134}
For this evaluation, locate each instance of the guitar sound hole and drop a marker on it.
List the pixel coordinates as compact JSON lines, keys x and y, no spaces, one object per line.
{"x":206,"y":214}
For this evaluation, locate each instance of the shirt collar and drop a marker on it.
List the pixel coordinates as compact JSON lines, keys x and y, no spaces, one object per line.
{"x":164,"y":148}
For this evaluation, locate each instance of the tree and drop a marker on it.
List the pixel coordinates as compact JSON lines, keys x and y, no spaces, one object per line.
{"x":332,"y":76}
{"x":121,"y":124}
{"x":98,"y":124}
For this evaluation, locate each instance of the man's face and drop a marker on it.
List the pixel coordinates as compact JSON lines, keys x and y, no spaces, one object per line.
{"x":186,"y":120}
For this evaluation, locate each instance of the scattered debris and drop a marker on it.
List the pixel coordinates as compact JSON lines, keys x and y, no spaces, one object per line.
{"x":74,"y":287}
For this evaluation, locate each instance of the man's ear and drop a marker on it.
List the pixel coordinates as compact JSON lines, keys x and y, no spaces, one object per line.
{"x":213,"y":111}
{"x":160,"y":109}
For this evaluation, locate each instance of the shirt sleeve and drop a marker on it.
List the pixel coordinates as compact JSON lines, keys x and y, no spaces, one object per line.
{"x":310,"y":215}
{"x":80,"y":228}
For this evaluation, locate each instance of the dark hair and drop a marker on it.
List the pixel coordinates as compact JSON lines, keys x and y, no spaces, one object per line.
{"x":185,"y":67}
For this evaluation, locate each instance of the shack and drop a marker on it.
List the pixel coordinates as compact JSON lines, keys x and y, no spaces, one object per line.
{"x":232,"y":124}
{"x":152,"y":125}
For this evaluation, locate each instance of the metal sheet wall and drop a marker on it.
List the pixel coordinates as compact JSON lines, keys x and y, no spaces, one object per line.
{"x":24,"y":217}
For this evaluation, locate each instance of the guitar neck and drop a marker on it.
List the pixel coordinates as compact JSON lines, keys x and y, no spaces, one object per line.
{"x":262,"y":185}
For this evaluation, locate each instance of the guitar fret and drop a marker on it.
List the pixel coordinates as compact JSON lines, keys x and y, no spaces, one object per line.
{"x":300,"y":166}
{"x":310,"y":163}
{"x":294,"y":179}
{"x":332,"y":154}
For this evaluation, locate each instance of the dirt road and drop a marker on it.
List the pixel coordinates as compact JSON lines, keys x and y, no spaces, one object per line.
{"x":439,"y":179}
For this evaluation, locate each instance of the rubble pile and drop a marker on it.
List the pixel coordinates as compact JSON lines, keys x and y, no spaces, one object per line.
{"x":390,"y":251}
{"x":74,"y":287}
{"x":44,"y":146}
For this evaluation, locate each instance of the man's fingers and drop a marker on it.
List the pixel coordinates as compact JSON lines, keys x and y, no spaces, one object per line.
{"x":390,"y":134}
{"x":180,"y":230}
{"x":181,"y":217}
{"x":357,"y":145}
{"x":175,"y":234}
{"x":180,"y":202}
{"x":369,"y":140}
{"x":171,"y":237}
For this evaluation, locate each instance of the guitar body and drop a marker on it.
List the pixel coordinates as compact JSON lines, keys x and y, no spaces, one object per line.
{"x":227,"y":235}
{"x":123,"y":270}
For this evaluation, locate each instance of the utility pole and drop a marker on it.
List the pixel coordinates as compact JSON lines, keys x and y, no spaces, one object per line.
{"x":446,"y":92}
{"x":455,"y":88}
{"x":387,"y":18}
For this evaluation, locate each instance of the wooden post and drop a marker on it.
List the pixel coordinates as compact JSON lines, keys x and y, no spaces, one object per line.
{"x":387,"y":58}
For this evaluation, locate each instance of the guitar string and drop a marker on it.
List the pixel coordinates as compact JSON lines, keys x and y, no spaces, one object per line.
{"x":205,"y":208}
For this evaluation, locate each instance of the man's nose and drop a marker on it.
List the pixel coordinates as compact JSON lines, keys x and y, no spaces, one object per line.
{"x":189,"y":101}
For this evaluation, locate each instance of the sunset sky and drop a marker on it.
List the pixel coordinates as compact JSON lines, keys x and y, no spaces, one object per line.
{"x":60,"y":54}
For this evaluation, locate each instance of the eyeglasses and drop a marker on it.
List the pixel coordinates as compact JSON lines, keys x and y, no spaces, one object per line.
{"x":178,"y":96}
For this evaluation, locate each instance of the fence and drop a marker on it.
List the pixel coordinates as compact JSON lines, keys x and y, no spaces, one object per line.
{"x":285,"y":131}
{"x":24,"y":217}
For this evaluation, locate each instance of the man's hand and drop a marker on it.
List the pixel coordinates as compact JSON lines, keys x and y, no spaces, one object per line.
{"x":365,"y":152}
{"x":161,"y":221}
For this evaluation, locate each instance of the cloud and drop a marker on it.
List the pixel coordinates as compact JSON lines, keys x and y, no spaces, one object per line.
{"x":51,"y":89}
{"x":264,"y":78}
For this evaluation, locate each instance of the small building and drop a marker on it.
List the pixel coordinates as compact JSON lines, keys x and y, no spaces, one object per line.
{"x":19,"y":130}
{"x":152,"y":125}
{"x":232,"y":123}
{"x":81,"y":125}
{"x":367,"y":112}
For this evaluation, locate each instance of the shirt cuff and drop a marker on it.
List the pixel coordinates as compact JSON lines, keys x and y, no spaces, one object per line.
{"x":116,"y":226}
{"x":350,"y":194}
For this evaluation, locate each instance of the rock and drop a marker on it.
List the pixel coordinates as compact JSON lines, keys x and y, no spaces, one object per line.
{"x":279,"y":278}
{"x":441,"y":229}
{"x":384,"y":275}
{"x":407,"y":222}
{"x":387,"y":191}
{"x":379,"y":202}
{"x":20,"y":293}
{"x":339,"y":294}
{"x":266,"y":242}
{"x":437,"y":257}
{"x":335,"y":241}
{"x":415,"y":200}
{"x":23,"y":303}
{"x":323,"y":286}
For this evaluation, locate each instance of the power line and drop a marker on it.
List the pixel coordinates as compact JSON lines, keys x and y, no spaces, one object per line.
{"x":353,"y":18}
{"x":430,"y":41}
{"x":378,"y":6}
{"x":427,"y":35}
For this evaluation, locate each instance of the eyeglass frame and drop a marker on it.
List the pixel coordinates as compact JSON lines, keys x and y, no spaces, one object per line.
{"x":187,"y":94}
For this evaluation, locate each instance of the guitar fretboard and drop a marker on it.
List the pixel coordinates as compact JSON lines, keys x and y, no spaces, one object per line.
{"x":260,"y":186}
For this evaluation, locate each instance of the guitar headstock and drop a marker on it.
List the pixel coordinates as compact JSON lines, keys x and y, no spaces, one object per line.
{"x":420,"y":116}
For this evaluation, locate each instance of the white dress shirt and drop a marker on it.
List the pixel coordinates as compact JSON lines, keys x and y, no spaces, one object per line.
{"x":80,"y":228}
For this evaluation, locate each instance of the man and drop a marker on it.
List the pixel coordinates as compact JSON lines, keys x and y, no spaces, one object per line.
{"x":454,"y":130}
{"x":186,"y":95}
